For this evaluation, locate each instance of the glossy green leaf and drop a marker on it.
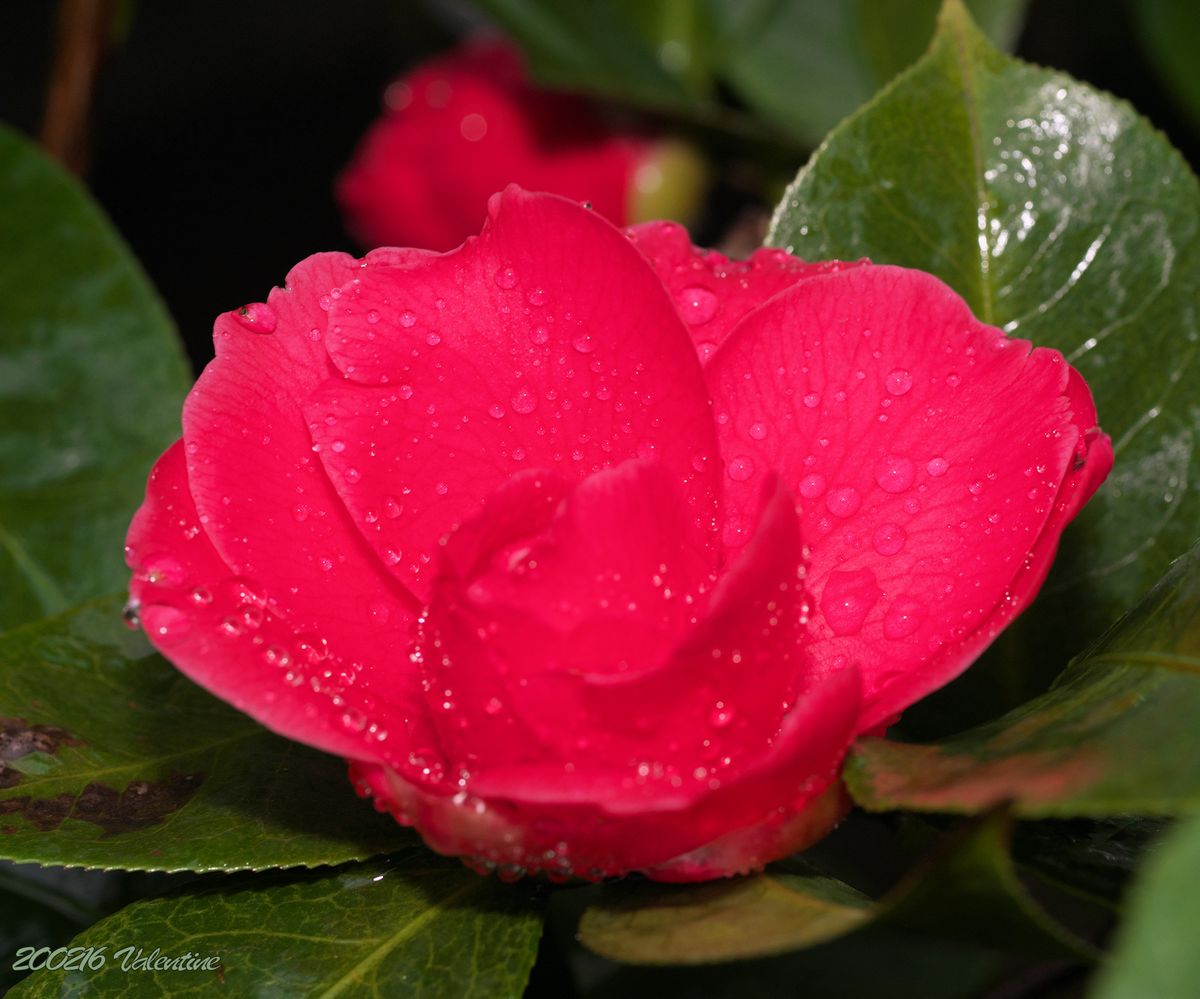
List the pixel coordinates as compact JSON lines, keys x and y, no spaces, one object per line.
{"x":91,"y":383}
{"x":113,"y":759}
{"x":1155,"y":951}
{"x":1063,"y":217}
{"x":966,"y":890}
{"x":1117,"y":733}
{"x":1170,"y":32}
{"x":804,"y":65}
{"x":416,"y":925}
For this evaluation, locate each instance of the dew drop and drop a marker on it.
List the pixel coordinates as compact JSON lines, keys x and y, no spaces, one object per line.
{"x":354,"y":720}
{"x":506,"y":278}
{"x":584,"y":343}
{"x":847,"y":600}
{"x":740,"y":469}
{"x":757,"y":431}
{"x":812,"y":486}
{"x":524,"y":400}
{"x":392,"y":507}
{"x":164,"y":622}
{"x":889,"y":539}
{"x":812,"y":400}
{"x":496,"y":412}
{"x":257,"y":317}
{"x":902,"y":618}
{"x":899,"y":382}
{"x":162,"y":570}
{"x":697,"y":305}
{"x":894,"y":473}
{"x":407,"y":319}
{"x":843,"y":501}
{"x":937,"y":467}
{"x":721,"y":715}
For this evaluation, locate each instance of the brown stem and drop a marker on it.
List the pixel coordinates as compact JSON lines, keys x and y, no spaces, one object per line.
{"x":83,"y":32}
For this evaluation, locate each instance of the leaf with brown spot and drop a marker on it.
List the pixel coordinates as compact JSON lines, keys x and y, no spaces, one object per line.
{"x":112,"y":758}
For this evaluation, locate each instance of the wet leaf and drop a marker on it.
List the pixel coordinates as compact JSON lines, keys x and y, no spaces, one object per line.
{"x":966,"y":890}
{"x":1155,"y":950}
{"x":141,"y":769}
{"x":1116,"y":734}
{"x":415,"y":925}
{"x":80,"y":329}
{"x":1063,"y":217}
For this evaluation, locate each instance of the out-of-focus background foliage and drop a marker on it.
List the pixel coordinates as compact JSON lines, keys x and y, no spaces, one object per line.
{"x":217,"y":128}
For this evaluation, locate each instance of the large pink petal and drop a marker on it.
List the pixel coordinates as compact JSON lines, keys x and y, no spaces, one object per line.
{"x":509,"y":353}
{"x":224,"y":634}
{"x":928,"y":451}
{"x":713,"y":293}
{"x":262,"y":496}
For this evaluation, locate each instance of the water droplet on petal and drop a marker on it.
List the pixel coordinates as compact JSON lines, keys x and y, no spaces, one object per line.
{"x":496,"y":412}
{"x":899,"y":382}
{"x":257,"y":317}
{"x":740,"y":469}
{"x":697,"y":305}
{"x":162,"y":570}
{"x":506,"y":277}
{"x":847,"y":600}
{"x":812,"y":486}
{"x":163,"y":622}
{"x":812,"y":400}
{"x":843,"y":501}
{"x":757,"y":431}
{"x":392,"y":508}
{"x":894,"y":473}
{"x":937,"y":467}
{"x":902,"y":618}
{"x":889,"y":539}
{"x":524,"y":400}
{"x":584,"y":343}
{"x":407,"y":319}
{"x":721,"y":715}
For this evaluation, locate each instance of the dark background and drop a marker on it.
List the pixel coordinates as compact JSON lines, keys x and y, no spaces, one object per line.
{"x":218,"y":127}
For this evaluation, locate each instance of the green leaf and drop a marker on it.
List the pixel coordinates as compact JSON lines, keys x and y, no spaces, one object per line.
{"x":643,"y":53}
{"x":771,"y":913}
{"x":1155,"y":953}
{"x":1170,"y":30}
{"x":91,"y":383}
{"x":152,"y":772}
{"x":966,"y":890}
{"x":1116,"y":734}
{"x":1063,"y":217}
{"x":417,"y":925}
{"x":803,"y":65}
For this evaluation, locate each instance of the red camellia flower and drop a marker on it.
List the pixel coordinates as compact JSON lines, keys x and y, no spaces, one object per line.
{"x":464,"y":125}
{"x":593,"y":551}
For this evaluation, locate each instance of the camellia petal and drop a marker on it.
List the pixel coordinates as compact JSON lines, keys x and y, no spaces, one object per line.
{"x":713,"y":293}
{"x":509,"y":353}
{"x":928,"y":452}
{"x":228,"y":636}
